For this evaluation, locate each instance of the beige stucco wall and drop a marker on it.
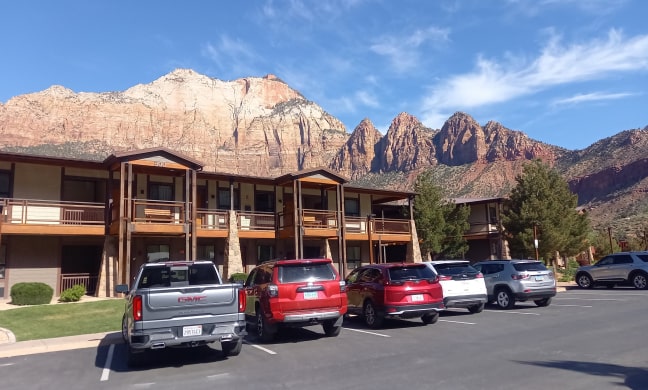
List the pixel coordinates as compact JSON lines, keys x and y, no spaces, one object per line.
{"x":34,"y":259}
{"x":32,"y":181}
{"x":82,"y":172}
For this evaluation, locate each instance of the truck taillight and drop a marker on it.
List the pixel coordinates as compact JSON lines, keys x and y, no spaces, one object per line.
{"x":242,"y":300}
{"x":273,"y":291}
{"x":137,"y":308}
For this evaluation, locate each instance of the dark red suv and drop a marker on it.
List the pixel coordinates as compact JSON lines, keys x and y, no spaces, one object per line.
{"x":295,"y":293}
{"x":394,"y":290}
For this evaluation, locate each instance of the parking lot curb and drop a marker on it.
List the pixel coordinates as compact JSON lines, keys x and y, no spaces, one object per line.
{"x":30,"y":347}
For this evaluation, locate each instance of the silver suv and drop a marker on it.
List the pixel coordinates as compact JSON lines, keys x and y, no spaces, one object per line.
{"x":508,"y":281}
{"x":618,"y":268}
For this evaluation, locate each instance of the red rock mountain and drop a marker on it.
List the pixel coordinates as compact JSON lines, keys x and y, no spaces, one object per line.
{"x":261,"y":126}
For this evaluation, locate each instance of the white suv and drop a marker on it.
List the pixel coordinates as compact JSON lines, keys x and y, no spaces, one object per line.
{"x":463,"y":286}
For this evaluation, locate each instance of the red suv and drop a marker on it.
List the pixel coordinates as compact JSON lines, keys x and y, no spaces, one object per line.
{"x":394,"y":290}
{"x":295,"y":293}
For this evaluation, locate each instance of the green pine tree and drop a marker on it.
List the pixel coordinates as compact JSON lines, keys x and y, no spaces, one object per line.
{"x":542,"y":201}
{"x":440,"y":224}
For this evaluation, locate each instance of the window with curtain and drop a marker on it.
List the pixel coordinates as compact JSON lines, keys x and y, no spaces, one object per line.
{"x":160,"y":191}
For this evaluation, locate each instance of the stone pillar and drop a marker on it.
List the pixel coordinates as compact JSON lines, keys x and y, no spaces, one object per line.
{"x":233,"y":262}
{"x":327,"y":249}
{"x":413,"y":248}
{"x":105,"y":287}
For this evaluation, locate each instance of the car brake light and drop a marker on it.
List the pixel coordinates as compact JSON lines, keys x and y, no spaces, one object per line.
{"x":137,"y":308}
{"x":480,"y":276}
{"x":342,"y":286}
{"x":394,"y":283}
{"x":273,"y":291}
{"x":520,"y":276}
{"x":242,"y":300}
{"x":445,"y":277}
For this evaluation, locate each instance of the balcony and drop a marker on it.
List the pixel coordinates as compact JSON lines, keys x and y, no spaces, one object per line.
{"x":394,"y":230}
{"x":35,"y":216}
{"x":482,"y":229}
{"x":154,"y":216}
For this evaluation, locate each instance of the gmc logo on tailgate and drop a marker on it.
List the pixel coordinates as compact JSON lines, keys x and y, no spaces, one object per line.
{"x":195,"y":298}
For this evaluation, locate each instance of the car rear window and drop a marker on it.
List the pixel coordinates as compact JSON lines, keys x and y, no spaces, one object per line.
{"x":411,"y":273}
{"x":296,"y":273}
{"x":531,"y":266}
{"x":192,"y":275}
{"x":643,"y":258}
{"x":455,"y":269}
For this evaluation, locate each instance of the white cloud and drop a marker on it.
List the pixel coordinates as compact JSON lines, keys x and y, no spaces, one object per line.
{"x":403,"y":51}
{"x":493,"y":82}
{"x":367,"y":99}
{"x":591,"y":97}
{"x":231,"y":56}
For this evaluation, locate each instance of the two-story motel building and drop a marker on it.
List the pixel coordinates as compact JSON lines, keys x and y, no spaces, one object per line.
{"x":70,"y":221}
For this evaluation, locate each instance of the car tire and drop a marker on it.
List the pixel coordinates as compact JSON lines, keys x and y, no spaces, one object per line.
{"x":504,"y":299}
{"x":330,"y":329}
{"x":543,"y":302}
{"x":371,"y":317}
{"x":584,"y":281}
{"x":474,"y":309}
{"x":231,"y":348}
{"x":430,"y":318}
{"x":124,"y":331}
{"x":262,"y":328}
{"x":639,"y":280}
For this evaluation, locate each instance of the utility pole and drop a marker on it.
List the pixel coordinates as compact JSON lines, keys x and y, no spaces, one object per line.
{"x":535,"y":240}
{"x":610,"y":237}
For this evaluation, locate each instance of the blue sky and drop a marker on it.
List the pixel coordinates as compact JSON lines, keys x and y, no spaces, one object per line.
{"x":565,"y":72}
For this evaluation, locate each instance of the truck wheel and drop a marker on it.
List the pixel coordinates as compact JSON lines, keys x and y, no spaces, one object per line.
{"x":262,"y":329}
{"x":231,"y":348}
{"x":330,"y":329}
{"x":124,"y":329}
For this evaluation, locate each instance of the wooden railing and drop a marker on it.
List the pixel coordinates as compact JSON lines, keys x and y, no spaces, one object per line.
{"x":89,"y":281}
{"x":482,"y":227}
{"x":212,"y":219}
{"x":390,"y":226}
{"x":319,"y":219}
{"x":159,"y":211}
{"x":257,"y":220}
{"x":48,"y":212}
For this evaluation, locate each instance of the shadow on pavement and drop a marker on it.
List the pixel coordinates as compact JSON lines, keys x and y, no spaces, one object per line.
{"x":634,"y":378}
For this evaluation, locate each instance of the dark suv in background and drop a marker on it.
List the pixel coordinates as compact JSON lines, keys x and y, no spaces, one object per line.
{"x":394,"y":290}
{"x":295,"y":293}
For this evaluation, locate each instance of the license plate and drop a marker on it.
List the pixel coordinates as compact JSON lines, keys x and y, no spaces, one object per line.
{"x":195,"y":330}
{"x":310,"y":295}
{"x":417,"y":298}
{"x":539,"y":278}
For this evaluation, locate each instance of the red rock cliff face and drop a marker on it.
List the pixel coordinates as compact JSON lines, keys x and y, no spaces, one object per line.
{"x":355,"y":158}
{"x":406,"y":146}
{"x":251,"y":126}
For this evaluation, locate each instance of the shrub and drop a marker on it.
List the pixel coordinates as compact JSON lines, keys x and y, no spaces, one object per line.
{"x":239,"y":277}
{"x":31,"y":293}
{"x":569,"y":273}
{"x":73,"y":294}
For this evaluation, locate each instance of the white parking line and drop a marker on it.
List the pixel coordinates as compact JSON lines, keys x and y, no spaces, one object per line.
{"x":367,"y":332}
{"x":512,"y":312}
{"x":216,"y":376}
{"x":555,"y":304}
{"x":459,"y":322}
{"x":106,"y":370}
{"x":594,"y":299}
{"x":266,"y":350}
{"x":6,"y":364}
{"x":602,"y":292}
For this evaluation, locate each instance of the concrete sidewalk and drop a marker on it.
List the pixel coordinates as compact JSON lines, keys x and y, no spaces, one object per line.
{"x":9,"y":347}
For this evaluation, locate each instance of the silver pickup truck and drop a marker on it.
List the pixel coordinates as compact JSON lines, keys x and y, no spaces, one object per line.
{"x":181,"y":304}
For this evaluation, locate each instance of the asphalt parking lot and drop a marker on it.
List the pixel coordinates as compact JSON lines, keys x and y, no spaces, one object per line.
{"x":586,"y":339}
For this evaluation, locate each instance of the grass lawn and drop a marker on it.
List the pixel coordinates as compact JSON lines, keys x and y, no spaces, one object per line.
{"x":63,"y":319}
